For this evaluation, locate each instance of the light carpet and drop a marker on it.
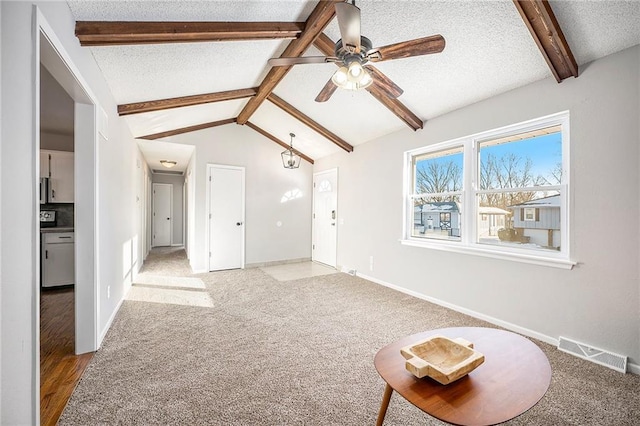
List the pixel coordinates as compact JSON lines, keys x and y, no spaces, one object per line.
{"x":294,"y":353}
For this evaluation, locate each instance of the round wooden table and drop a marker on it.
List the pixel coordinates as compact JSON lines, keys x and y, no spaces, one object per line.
{"x":515,"y":375}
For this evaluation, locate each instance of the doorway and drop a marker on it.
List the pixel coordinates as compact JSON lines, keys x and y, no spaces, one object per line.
{"x":162,"y":214}
{"x":325,"y":217}
{"x":81,"y":306}
{"x":226,"y":216}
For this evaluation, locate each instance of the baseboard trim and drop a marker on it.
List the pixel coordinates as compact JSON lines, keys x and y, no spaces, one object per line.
{"x":276,"y":262}
{"x":631,"y":368}
{"x":196,"y":271}
{"x":504,"y":324}
{"x":107,"y":326}
{"x":259,"y":264}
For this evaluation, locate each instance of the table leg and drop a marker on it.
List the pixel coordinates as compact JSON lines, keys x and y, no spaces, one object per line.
{"x":388,"y":390}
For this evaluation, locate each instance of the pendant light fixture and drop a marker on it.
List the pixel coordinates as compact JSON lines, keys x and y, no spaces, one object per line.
{"x":290,"y":160}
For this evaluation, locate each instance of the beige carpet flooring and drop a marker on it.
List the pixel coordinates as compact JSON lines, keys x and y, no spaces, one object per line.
{"x":299,"y":352}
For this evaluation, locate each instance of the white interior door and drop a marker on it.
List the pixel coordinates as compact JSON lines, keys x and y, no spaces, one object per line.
{"x":226,"y":217}
{"x":325,"y":217}
{"x":162,"y":208}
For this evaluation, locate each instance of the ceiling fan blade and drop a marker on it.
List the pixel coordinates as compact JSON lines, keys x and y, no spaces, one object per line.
{"x":384,"y":83}
{"x":406,"y":49}
{"x":349,"y":22}
{"x":326,"y":92}
{"x":286,"y":61}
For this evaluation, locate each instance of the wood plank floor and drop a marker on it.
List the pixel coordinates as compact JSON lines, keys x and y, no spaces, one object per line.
{"x":60,"y":368}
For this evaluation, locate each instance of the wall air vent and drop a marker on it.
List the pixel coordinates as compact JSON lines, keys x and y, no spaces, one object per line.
{"x":599,"y":356}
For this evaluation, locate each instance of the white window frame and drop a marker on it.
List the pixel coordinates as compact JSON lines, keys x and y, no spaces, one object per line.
{"x":468,"y":244}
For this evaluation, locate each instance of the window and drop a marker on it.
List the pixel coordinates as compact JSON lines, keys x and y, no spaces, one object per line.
{"x":500,"y":193}
{"x":529,"y":214}
{"x":437,"y":186}
{"x":325,"y":186}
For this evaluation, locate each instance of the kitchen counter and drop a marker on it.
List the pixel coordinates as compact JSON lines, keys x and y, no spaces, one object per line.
{"x":56,"y":229}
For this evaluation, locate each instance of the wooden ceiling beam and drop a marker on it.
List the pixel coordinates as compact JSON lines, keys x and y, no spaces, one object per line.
{"x":543,"y":26}
{"x":396,"y":107}
{"x":300,"y":116}
{"x":327,"y":46}
{"x":106,"y":33}
{"x":187,"y":129}
{"x":278,"y":141}
{"x":183,"y":101}
{"x":324,"y":44}
{"x":315,"y":24}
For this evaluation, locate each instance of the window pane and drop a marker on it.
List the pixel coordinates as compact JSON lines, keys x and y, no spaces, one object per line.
{"x":523,"y":160}
{"x":529,"y":220}
{"x":437,"y":217}
{"x":438,"y":172}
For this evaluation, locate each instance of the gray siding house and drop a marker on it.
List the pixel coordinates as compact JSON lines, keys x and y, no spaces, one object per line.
{"x":438,"y":217}
{"x":539,"y":220}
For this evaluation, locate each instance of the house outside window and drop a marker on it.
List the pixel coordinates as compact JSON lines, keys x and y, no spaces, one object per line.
{"x":512,"y":183}
{"x":445,"y":220}
{"x":436,"y":181}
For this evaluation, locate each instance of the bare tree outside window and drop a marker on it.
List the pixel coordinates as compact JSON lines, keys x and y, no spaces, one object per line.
{"x":505,"y":187}
{"x":434,"y":177}
{"x":506,"y":172}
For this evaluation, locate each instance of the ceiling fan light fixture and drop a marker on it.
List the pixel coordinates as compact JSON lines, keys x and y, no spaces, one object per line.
{"x":340,"y":77}
{"x":355,"y":77}
{"x":168,"y":163}
{"x":355,"y":71}
{"x":366,"y":80}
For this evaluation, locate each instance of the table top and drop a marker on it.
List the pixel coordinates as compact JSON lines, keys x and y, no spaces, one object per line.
{"x":515,"y":375}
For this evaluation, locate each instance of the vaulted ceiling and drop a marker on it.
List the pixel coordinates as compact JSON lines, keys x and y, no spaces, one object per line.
{"x":491,"y":47}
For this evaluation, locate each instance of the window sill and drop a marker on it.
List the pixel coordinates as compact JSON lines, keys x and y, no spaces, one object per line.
{"x":494,"y":254}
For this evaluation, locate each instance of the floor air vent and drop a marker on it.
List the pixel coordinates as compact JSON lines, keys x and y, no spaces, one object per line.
{"x":599,"y":356}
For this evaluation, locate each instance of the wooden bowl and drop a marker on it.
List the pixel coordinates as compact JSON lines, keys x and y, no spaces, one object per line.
{"x":443,"y":359}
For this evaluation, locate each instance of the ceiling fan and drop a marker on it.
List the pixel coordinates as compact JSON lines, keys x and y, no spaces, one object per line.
{"x":353,"y":51}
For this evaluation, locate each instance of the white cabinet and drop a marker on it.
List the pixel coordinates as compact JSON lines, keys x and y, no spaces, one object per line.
{"x":62,"y":175}
{"x":44,"y":164}
{"x":58,"y":265}
{"x":59,"y":168}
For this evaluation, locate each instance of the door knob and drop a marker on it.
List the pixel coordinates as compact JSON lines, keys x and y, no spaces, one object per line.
{"x":238,"y":223}
{"x":168,"y":218}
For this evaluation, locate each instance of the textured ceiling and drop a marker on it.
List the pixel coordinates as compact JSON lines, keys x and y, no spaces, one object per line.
{"x":154,"y":151}
{"x":488,"y":51}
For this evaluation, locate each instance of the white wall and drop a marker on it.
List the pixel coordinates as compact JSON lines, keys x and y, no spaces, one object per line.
{"x":190,"y":182}
{"x":598,"y":301}
{"x":18,"y":222}
{"x":178,"y":206}
{"x":56,"y":142}
{"x":266,"y":182}
{"x":115,"y":210}
{"x":56,"y":114}
{"x":1,"y":276}
{"x":141,"y":175}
